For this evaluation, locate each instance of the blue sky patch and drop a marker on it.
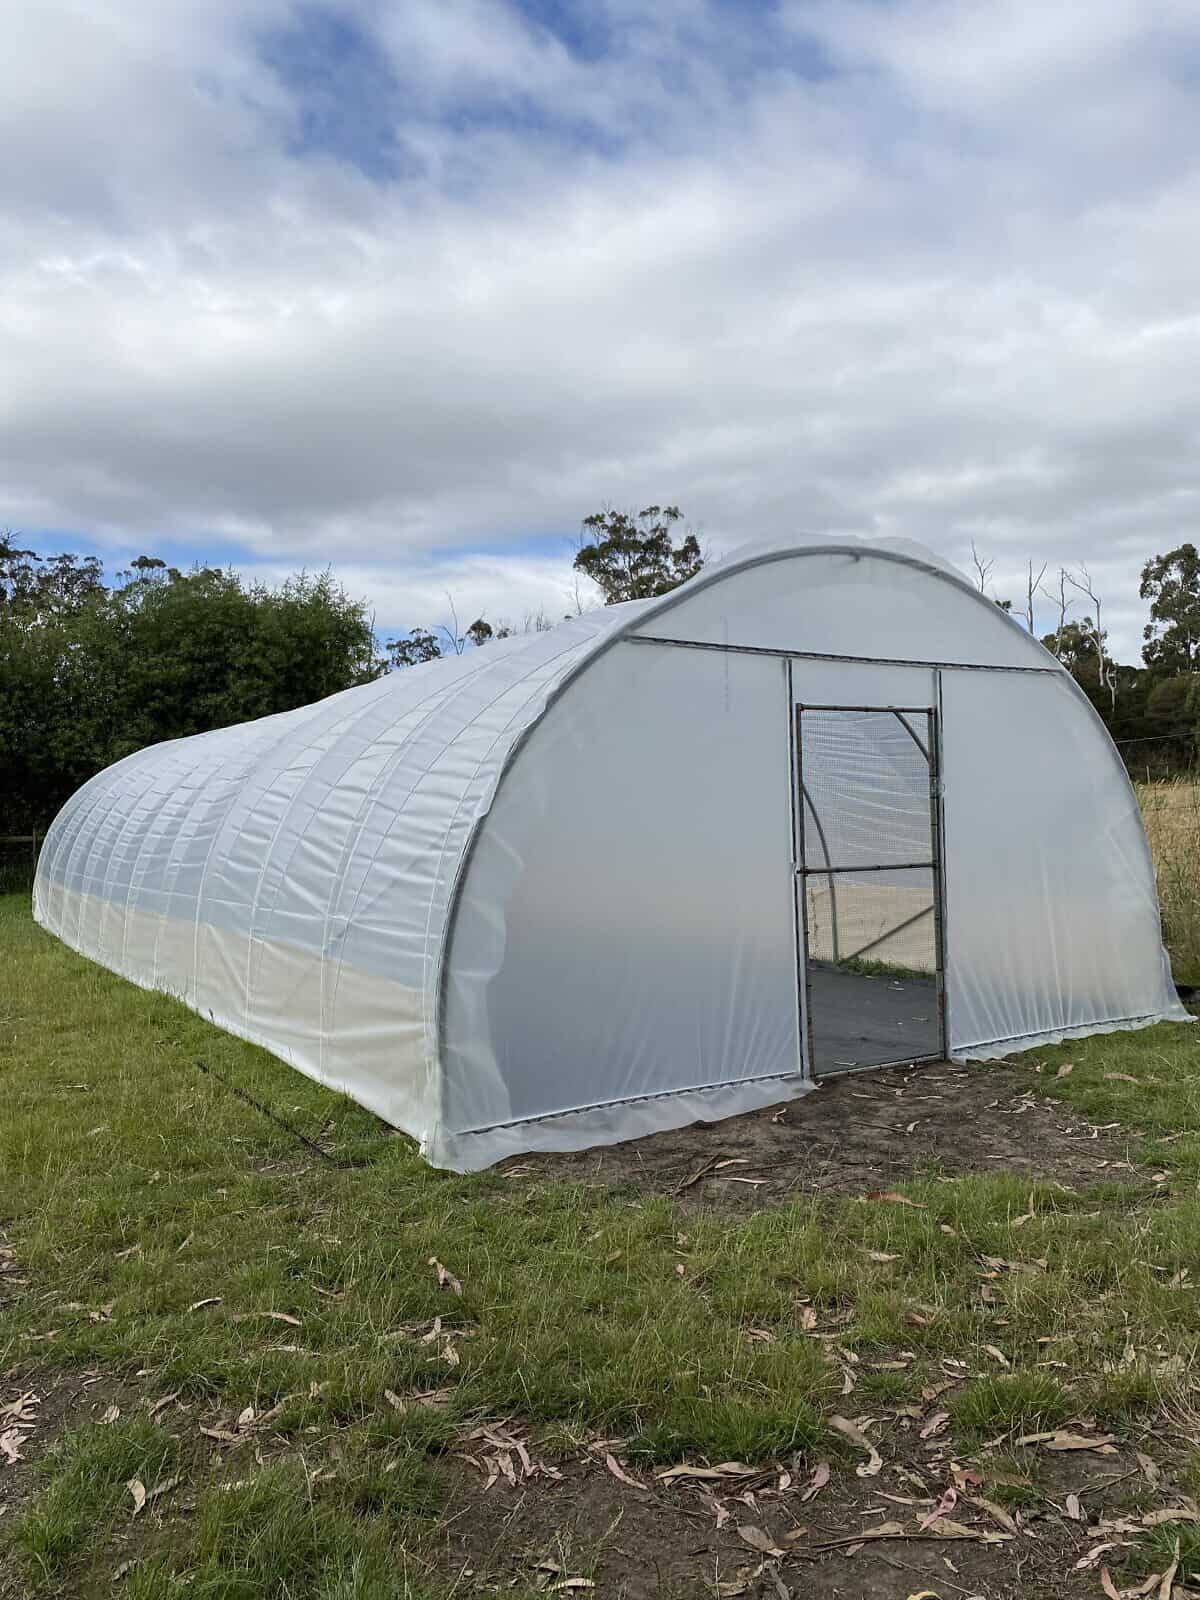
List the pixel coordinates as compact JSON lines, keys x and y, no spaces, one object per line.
{"x":346,"y":93}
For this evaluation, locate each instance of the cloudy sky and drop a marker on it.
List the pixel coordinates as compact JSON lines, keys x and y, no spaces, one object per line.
{"x":410,"y":286}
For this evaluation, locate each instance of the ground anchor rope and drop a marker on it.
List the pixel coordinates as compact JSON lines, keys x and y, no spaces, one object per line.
{"x":272,"y":1116}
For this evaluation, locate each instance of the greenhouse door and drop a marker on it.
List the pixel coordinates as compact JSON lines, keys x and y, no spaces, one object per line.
{"x":868,"y":883}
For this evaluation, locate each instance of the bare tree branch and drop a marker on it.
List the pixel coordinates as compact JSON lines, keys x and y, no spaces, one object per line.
{"x":1032,"y":585}
{"x":982,"y":568}
{"x":1085,"y":584}
{"x":458,"y":643}
{"x":1064,"y":605}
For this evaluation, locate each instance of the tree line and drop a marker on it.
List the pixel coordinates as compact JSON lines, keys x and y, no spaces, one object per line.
{"x":92,"y":670}
{"x":627,"y":556}
{"x":1152,"y":710}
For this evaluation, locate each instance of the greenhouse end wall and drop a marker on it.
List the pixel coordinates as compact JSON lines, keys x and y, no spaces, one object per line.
{"x":625,"y":927}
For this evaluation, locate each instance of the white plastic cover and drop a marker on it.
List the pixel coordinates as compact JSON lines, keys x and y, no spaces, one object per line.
{"x":541,"y":894}
{"x":625,"y":930}
{"x":1052,"y":923}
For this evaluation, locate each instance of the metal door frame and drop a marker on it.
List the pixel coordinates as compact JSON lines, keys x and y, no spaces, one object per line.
{"x":801,"y":872}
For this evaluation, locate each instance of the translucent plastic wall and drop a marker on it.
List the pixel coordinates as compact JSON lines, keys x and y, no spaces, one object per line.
{"x":625,"y":928}
{"x":848,"y":602}
{"x":1051,"y":917}
{"x":1052,"y":924}
{"x":289,"y":877}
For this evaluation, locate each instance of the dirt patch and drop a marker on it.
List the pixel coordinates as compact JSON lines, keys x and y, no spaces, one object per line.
{"x":862,"y":1131}
{"x":1011,"y":1530}
{"x":38,"y":1404}
{"x":41,"y":1404}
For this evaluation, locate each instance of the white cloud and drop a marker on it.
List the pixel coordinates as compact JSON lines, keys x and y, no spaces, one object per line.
{"x":516,"y":591}
{"x":924,"y":266}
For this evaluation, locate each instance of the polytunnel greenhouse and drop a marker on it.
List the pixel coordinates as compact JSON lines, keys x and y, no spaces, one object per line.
{"x":821,"y":808}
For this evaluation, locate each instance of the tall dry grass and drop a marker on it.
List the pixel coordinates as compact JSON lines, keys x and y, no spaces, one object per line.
{"x":1171,"y":811}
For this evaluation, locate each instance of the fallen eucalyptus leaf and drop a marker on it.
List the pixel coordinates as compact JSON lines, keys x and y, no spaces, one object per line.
{"x":1060,"y":1440}
{"x":1092,"y":1556}
{"x":856,"y":1436}
{"x":946,"y":1504}
{"x":935,"y":1424}
{"x":1168,"y":1577}
{"x":615,"y":1467}
{"x":725,"y":1469}
{"x":759,"y":1540}
{"x":445,"y":1278}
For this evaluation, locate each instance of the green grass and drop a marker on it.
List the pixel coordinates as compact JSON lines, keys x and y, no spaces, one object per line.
{"x":133,"y":1186}
{"x":1017,"y":1402}
{"x":1162,"y":1545}
{"x":274,"y":1534}
{"x":87,"y":1476}
{"x":883,"y":969}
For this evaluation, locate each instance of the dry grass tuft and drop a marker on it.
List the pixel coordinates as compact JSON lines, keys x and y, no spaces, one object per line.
{"x":1171,"y":810}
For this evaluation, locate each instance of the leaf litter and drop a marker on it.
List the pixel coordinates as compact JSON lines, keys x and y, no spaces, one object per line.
{"x":445,"y":1278}
{"x":850,"y":1430}
{"x":507,"y":1458}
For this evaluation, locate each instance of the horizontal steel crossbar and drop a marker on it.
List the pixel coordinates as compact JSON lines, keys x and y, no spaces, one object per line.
{"x":825,"y":655}
{"x":878,"y":866}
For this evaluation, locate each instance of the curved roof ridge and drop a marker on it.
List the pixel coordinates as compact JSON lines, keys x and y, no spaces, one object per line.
{"x":907,"y":552}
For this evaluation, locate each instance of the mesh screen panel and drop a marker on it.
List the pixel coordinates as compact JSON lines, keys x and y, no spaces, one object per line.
{"x":866,"y":788}
{"x":870,"y":887}
{"x":879,"y":917}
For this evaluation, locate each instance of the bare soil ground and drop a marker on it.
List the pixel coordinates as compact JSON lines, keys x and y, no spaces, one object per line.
{"x":855,"y":1133}
{"x":37,"y":1405}
{"x":589,"y":1520}
{"x":759,"y":1537}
